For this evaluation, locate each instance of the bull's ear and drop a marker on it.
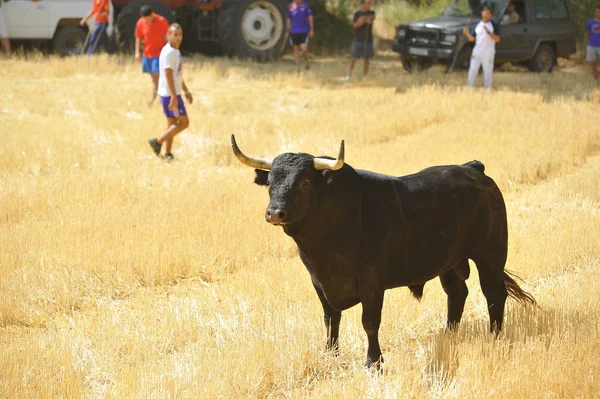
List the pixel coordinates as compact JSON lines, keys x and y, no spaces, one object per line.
{"x":261,"y":177}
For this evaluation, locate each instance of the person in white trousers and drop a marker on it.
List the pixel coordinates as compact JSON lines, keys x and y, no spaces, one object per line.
{"x":485,"y":35}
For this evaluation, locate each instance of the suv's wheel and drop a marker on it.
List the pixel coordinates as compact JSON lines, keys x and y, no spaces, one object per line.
{"x":252,"y":28}
{"x":411,"y":65}
{"x":544,"y":59}
{"x":68,"y":40}
{"x":129,"y":16}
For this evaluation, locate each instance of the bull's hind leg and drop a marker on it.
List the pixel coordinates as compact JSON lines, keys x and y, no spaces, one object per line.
{"x":494,"y":289}
{"x":457,"y":292}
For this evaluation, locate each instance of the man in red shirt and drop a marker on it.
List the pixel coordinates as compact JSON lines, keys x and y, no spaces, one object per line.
{"x":101,"y":9}
{"x":152,"y":29}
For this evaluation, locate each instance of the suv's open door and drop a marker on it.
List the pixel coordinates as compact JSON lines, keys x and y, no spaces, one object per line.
{"x":514,"y":44}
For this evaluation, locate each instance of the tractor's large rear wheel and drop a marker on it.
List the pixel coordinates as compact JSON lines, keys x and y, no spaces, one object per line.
{"x":129,"y":16}
{"x":252,"y":28}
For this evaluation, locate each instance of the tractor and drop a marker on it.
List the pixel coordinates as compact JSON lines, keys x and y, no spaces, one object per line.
{"x":252,"y":29}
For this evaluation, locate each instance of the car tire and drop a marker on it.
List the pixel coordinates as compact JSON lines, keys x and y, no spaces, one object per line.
{"x":406,"y":64}
{"x":252,"y":28}
{"x":128,"y":18}
{"x":69,"y":40}
{"x":411,"y":65}
{"x":544,"y":59}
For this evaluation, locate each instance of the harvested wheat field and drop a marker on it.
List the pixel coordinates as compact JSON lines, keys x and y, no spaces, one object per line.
{"x":124,"y":276}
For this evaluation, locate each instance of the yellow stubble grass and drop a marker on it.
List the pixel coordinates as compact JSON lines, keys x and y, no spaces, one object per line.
{"x":122,"y":276}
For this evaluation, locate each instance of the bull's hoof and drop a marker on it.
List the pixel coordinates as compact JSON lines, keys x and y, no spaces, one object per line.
{"x":376,"y":365}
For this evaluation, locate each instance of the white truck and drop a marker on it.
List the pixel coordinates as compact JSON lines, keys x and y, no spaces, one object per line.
{"x":56,"y":21}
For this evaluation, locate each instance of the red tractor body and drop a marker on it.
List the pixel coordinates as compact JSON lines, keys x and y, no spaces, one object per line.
{"x":237,"y":28}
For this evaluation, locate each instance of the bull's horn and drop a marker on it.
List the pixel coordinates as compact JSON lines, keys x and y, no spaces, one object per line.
{"x":331,"y":164}
{"x":257,"y":163}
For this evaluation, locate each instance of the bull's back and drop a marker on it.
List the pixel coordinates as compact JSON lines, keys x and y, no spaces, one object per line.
{"x":440,"y":216}
{"x":444,"y":187}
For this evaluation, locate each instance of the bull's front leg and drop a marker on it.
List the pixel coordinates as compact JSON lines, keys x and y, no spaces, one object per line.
{"x":372,"y":303}
{"x":332,"y":319}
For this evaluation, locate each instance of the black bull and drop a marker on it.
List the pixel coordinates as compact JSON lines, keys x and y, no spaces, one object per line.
{"x":360,"y":233}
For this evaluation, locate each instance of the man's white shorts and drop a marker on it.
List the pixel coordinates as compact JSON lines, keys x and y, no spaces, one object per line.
{"x":593,"y":54}
{"x":3,"y":30}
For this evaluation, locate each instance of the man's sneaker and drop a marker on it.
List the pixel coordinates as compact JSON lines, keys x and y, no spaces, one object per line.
{"x":347,"y":78}
{"x":155,"y":146}
{"x":168,"y":157}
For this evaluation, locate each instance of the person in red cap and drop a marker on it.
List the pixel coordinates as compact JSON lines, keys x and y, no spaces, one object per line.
{"x":101,"y":10}
{"x":151,"y":29}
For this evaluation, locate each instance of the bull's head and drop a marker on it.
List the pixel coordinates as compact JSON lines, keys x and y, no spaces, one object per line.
{"x":292,"y":180}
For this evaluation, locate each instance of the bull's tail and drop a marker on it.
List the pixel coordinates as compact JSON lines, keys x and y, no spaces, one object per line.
{"x":516,"y":292}
{"x":476,"y":165}
{"x":417,"y":291}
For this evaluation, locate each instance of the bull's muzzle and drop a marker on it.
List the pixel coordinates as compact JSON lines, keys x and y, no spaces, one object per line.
{"x":276,"y":216}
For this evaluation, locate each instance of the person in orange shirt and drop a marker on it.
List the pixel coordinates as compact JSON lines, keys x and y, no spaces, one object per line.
{"x":151,"y":29}
{"x":100,"y":10}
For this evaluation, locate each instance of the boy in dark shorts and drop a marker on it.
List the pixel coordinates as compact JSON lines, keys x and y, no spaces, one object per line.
{"x":151,"y":31}
{"x":170,"y":86}
{"x":300,"y":24}
{"x":362,"y":46}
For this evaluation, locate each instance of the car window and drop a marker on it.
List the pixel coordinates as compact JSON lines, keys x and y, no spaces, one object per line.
{"x":551,"y":9}
{"x":465,"y":8}
{"x":520,"y":9}
{"x":517,"y":17}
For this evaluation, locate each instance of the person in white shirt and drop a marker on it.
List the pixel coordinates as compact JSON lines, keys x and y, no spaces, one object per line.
{"x":485,"y":35}
{"x":170,"y":86}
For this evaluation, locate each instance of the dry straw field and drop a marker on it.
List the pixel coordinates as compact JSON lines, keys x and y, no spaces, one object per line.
{"x":123,"y":276}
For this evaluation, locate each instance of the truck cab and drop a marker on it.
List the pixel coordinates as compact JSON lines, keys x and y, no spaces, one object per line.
{"x":56,"y":21}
